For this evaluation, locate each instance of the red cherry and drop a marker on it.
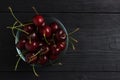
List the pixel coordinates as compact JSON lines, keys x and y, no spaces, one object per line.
{"x":54,"y":26}
{"x":32,"y":46}
{"x":29,"y":28}
{"x":45,"y":31}
{"x":53,"y":57}
{"x":42,"y":60}
{"x":31,"y":58}
{"x":54,"y":49}
{"x":60,"y":35}
{"x":38,"y":20}
{"x":61,"y":45}
{"x":34,"y":36}
{"x":21,"y":44}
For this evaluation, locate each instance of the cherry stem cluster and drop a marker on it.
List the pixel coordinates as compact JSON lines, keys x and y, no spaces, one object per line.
{"x":73,"y":39}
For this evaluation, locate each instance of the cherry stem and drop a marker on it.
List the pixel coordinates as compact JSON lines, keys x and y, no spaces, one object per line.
{"x":74,"y":39}
{"x":12,"y":28}
{"x":35,"y":10}
{"x":77,"y":29}
{"x":16,"y":66}
{"x":38,"y":52}
{"x":24,"y":25}
{"x":73,"y":46}
{"x":14,"y":15}
{"x":22,"y":30}
{"x":34,"y":71}
{"x":46,"y":40}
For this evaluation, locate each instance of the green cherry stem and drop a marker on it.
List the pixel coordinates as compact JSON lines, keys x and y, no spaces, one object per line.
{"x":22,"y":25}
{"x":77,"y":29}
{"x":46,"y":39}
{"x":16,"y":65}
{"x":12,"y":28}
{"x":22,"y":30}
{"x":14,"y":15}
{"x":35,"y":10}
{"x":38,"y":52}
{"x":73,"y":46}
{"x":73,"y":39}
{"x":34,"y":71}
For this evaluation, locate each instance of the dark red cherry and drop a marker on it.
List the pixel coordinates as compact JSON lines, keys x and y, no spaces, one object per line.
{"x":41,"y":44}
{"x":31,"y":58}
{"x":32,"y":46}
{"x":21,"y":44}
{"x":42,"y":60}
{"x":60,"y":35}
{"x":53,"y":57}
{"x":54,"y":27}
{"x":38,"y":20}
{"x":45,"y":31}
{"x":54,"y":50}
{"x":62,"y":45}
{"x":34,"y":36}
{"x":29,"y":28}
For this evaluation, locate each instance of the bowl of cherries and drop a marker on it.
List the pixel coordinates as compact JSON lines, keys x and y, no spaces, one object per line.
{"x":42,"y":41}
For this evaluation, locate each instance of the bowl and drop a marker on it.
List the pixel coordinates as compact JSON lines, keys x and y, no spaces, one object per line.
{"x":48,"y":21}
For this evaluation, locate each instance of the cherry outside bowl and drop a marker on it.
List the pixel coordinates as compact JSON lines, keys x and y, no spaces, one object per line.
{"x":48,"y":21}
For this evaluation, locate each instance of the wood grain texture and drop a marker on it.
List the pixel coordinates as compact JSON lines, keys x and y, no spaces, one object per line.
{"x":98,"y":48}
{"x":62,"y":6}
{"x":97,"y":55}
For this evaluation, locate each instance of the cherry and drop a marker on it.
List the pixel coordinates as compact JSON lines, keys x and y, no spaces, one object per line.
{"x":38,"y":20}
{"x":53,"y":57}
{"x":21,"y":44}
{"x":45,"y":31}
{"x":54,"y":26}
{"x":60,"y":35}
{"x":34,"y":36}
{"x":41,"y":44}
{"x":42,"y":60}
{"x":32,"y":46}
{"x":29,"y":28}
{"x":31,"y":58}
{"x":54,"y":49}
{"x":61,"y":45}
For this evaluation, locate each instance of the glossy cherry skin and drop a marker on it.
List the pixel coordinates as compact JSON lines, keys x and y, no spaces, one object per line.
{"x":53,"y":57}
{"x":45,"y":31}
{"x":62,"y":45}
{"x":55,"y":50}
{"x":31,"y":58}
{"x":54,"y":27}
{"x":32,"y":46}
{"x":34,"y":37}
{"x":38,"y":20}
{"x":29,"y":28}
{"x":60,"y":35}
{"x":42,"y":60}
{"x":21,"y":44}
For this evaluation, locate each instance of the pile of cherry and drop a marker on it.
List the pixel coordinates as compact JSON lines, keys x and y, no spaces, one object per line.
{"x":41,"y":41}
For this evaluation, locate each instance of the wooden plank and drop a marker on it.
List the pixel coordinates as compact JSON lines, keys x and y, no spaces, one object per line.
{"x":61,"y":75}
{"x":62,"y":6}
{"x":98,"y":49}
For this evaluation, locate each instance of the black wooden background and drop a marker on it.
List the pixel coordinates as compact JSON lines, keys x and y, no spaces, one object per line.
{"x":97,"y":56}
